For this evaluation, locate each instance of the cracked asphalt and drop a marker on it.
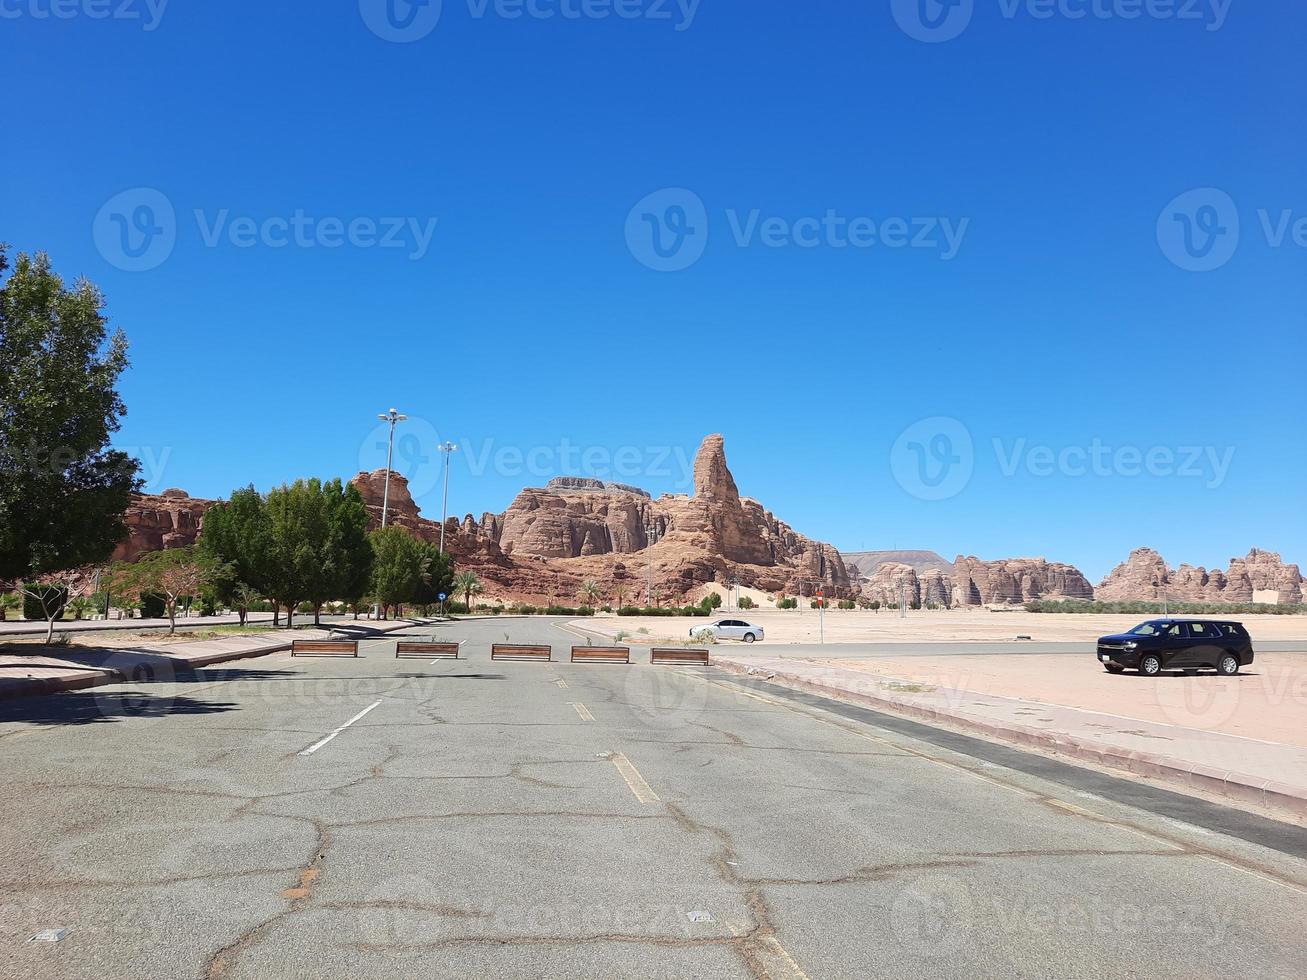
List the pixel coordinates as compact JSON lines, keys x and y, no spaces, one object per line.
{"x":592,"y":820}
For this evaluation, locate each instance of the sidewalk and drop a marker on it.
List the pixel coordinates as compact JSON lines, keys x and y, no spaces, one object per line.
{"x":1263,"y":773}
{"x":75,"y":668}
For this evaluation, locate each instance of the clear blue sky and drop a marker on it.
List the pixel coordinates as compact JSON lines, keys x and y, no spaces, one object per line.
{"x":533,"y":319}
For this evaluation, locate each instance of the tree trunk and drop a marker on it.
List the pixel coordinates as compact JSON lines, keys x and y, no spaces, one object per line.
{"x":276,"y":615}
{"x":243,"y":613}
{"x":317,"y":615}
{"x":172,"y":618}
{"x":49,"y":631}
{"x":290,"y":615}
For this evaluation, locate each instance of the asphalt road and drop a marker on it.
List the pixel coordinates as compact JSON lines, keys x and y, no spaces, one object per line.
{"x":384,"y":818}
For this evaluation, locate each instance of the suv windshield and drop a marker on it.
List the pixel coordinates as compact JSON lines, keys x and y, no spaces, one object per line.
{"x":1147,"y":629}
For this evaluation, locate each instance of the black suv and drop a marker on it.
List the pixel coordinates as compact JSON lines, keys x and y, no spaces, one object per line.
{"x":1178,"y":644}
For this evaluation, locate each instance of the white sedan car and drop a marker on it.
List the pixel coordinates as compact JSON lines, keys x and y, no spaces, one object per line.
{"x":729,"y":629}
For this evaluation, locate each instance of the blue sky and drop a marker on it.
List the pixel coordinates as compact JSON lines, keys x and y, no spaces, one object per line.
{"x":935,"y":293}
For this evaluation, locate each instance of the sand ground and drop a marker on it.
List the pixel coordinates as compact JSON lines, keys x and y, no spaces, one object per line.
{"x":924,"y":626}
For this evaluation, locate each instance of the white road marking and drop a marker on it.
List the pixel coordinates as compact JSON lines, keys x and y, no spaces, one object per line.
{"x":582,"y":710}
{"x":317,"y":745}
{"x":562,"y":683}
{"x":642,"y":790}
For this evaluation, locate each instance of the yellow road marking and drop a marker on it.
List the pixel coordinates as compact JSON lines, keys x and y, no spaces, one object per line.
{"x":642,"y":790}
{"x":582,"y":710}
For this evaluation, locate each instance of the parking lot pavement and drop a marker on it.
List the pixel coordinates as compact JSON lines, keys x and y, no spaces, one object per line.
{"x":383,"y":817}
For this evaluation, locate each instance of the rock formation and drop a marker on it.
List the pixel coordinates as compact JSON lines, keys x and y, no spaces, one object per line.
{"x":552,"y":538}
{"x":1145,"y":576}
{"x":171,"y":519}
{"x":1016,"y":580}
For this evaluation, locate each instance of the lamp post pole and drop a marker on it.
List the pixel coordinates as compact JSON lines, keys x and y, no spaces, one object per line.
{"x":446,"y":448}
{"x":394,"y":418}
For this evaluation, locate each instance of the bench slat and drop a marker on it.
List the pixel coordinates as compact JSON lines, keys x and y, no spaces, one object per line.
{"x":610,"y":655}
{"x":521,"y":651}
{"x":348,"y":648}
{"x":429,"y":651}
{"x":678,"y":655}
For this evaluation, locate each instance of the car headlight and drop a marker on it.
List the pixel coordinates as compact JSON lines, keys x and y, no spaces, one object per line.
{"x":1130,"y":644}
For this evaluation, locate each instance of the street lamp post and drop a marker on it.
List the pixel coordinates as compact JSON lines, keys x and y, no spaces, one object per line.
{"x":447,"y":448}
{"x":394,"y":418}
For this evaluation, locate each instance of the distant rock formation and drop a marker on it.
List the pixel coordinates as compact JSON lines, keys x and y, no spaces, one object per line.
{"x":1145,"y":576}
{"x":1016,"y":580}
{"x":865,"y":563}
{"x":552,"y":538}
{"x":171,"y":519}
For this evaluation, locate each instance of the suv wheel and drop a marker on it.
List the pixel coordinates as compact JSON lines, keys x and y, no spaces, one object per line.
{"x":1150,"y":665}
{"x":1229,"y":665}
{"x":749,"y":637}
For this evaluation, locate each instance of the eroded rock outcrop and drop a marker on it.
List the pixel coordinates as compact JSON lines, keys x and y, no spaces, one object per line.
{"x":155,"y":522}
{"x":1016,"y":580}
{"x":1145,"y":576}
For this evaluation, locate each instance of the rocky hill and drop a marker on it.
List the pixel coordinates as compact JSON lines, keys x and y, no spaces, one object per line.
{"x":972,"y":582}
{"x":866,"y":562}
{"x":1145,"y":575}
{"x":552,"y":538}
{"x":171,"y":519}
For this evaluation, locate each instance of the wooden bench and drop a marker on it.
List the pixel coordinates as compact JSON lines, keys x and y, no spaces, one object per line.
{"x":601,"y":655}
{"x":407,"y":650}
{"x":678,"y":655}
{"x":324,"y":648}
{"x":521,"y":651}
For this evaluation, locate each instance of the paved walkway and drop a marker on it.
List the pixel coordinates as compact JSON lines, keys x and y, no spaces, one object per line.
{"x":80,"y":667}
{"x":1264,"y":773}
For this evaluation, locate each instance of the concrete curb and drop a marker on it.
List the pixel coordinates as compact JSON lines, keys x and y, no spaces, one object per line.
{"x":97,"y":677}
{"x":1228,"y":783}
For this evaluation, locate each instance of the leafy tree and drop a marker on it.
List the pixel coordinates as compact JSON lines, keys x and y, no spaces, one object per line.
{"x":437,"y":576}
{"x":468,"y":584}
{"x":47,"y":598}
{"x":237,"y":535}
{"x":397,"y":566}
{"x":343,"y":566}
{"x":171,"y":575}
{"x":713,"y":600}
{"x":63,"y":491}
{"x":745,"y":602}
{"x":9,"y":601}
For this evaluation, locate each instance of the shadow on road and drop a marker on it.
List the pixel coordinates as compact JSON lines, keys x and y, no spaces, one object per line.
{"x":96,"y":706}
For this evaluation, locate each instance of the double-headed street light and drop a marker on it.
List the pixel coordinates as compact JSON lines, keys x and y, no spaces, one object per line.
{"x":394,"y":418}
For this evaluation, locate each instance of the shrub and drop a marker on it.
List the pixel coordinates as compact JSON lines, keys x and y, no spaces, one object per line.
{"x":745,"y":602}
{"x":153,"y":606}
{"x":790,"y":603}
{"x":456,"y":607}
{"x":847,"y":604}
{"x":713,"y":600}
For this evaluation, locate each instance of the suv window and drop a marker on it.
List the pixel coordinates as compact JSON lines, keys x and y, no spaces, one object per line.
{"x":1200,"y":630}
{"x":1175,"y":629}
{"x":1230,"y":629}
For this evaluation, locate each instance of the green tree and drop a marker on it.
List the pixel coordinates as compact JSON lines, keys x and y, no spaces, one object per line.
{"x":397,"y":566}
{"x":236,"y":533}
{"x":336,"y":524}
{"x":172,"y":575}
{"x":437,"y":576}
{"x":468,"y":584}
{"x":713,"y":600}
{"x":63,"y":491}
{"x":9,"y":602}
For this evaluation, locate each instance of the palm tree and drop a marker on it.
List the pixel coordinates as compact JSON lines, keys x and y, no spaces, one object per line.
{"x":468,"y":584}
{"x":590,"y":592}
{"x":620,"y":591}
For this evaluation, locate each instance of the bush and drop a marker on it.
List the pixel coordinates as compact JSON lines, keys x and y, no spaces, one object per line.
{"x":1136,"y":608}
{"x":713,"y":600}
{"x":847,"y":604}
{"x":745,"y":602}
{"x":662,"y":611}
{"x":459,"y":608}
{"x":153,"y":606}
{"x":51,"y":597}
{"x":790,"y":603}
